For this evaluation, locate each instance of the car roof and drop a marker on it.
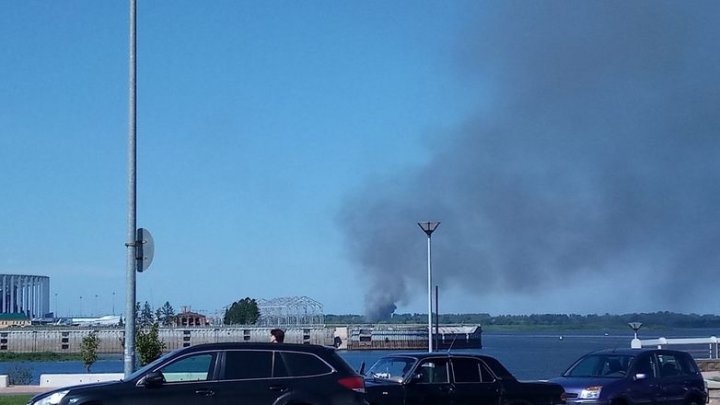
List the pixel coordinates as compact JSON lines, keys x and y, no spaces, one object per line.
{"x":259,"y":346}
{"x":424,"y":355}
{"x":633,"y":351}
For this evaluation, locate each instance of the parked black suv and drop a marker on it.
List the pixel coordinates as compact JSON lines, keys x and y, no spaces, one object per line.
{"x":634,"y":376}
{"x":452,"y":378}
{"x":228,"y":373}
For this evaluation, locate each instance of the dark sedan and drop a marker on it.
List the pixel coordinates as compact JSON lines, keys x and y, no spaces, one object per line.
{"x":634,"y":376}
{"x":228,"y":373}
{"x":452,"y":378}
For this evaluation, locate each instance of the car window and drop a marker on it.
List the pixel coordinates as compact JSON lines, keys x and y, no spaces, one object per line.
{"x":601,"y":365}
{"x":433,"y":371}
{"x":669,"y":365}
{"x":485,"y":374}
{"x":644,"y":365}
{"x":279,"y":369}
{"x":191,"y":368}
{"x":688,"y":365}
{"x":247,"y":364}
{"x":466,"y":370}
{"x":614,"y":366}
{"x":391,"y":368}
{"x":297,"y":364}
{"x":151,"y":366}
{"x":585,"y":367}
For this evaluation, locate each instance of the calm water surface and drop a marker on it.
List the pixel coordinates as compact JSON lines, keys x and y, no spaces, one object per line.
{"x":527,"y":355}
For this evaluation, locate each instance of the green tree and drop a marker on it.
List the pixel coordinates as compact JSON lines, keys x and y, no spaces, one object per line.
{"x":243,"y":312}
{"x":145,"y":318}
{"x":165,"y":315}
{"x":148,"y":344}
{"x":88,"y":349}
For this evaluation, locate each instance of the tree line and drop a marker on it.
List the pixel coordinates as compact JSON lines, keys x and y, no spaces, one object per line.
{"x":246,"y":312}
{"x":148,"y":344}
{"x":241,"y":312}
{"x":658,"y":320}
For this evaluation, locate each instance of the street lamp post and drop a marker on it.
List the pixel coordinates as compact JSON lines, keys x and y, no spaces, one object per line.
{"x":131,"y":253}
{"x":635,"y":326}
{"x":429,"y":228}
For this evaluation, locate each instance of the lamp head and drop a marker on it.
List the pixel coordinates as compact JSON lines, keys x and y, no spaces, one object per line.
{"x":428,"y":227}
{"x":635,"y":326}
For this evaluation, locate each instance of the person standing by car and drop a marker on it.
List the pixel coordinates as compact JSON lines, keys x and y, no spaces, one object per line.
{"x":277,"y":336}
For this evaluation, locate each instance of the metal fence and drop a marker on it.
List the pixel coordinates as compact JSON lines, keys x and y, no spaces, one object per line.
{"x":699,"y":348}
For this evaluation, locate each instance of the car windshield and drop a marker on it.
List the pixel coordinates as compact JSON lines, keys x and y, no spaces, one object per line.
{"x":394,"y":368}
{"x":608,"y":365}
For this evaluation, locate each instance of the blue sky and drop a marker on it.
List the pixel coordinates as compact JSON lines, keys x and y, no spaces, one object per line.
{"x":284,"y":148}
{"x":252,"y":120}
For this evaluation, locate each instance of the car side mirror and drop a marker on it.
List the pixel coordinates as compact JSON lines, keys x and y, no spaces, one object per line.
{"x":640,"y":376}
{"x":153,"y":379}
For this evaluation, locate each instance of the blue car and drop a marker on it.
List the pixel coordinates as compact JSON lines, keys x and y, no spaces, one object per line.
{"x":634,"y":376}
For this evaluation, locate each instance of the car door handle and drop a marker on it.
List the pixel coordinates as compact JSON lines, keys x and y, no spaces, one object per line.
{"x":205,"y":393}
{"x":280,"y":388}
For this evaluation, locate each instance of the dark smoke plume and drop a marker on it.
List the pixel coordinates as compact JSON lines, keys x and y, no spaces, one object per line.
{"x":597,"y":155}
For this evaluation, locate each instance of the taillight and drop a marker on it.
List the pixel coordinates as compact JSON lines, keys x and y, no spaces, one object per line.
{"x":355,"y":383}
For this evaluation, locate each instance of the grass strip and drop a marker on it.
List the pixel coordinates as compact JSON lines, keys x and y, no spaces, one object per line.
{"x":20,"y":399}
{"x":42,"y":356}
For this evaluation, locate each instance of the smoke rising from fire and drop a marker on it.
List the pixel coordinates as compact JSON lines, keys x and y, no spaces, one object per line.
{"x":597,"y":154}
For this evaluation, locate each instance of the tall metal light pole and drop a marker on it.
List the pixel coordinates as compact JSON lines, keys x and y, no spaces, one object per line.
{"x":635,"y":326}
{"x":429,"y":228}
{"x":129,"y":355}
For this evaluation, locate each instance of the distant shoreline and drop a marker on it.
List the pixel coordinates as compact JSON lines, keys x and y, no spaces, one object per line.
{"x":651,"y":321}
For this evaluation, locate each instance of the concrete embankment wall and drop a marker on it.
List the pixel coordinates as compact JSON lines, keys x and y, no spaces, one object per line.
{"x":707,"y":365}
{"x":351,"y":337}
{"x":62,"y":340}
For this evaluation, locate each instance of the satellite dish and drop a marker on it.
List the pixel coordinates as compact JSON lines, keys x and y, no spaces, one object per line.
{"x":144,"y":249}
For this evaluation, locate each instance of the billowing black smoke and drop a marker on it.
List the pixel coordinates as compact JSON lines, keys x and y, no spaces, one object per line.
{"x":598,"y":153}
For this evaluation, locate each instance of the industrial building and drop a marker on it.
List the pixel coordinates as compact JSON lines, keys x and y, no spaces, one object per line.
{"x":25,"y":294}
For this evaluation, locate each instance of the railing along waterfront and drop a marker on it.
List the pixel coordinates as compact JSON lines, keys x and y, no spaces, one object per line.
{"x":699,"y":348}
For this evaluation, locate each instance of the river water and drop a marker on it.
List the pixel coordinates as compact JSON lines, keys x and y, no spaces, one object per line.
{"x":528,"y":355}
